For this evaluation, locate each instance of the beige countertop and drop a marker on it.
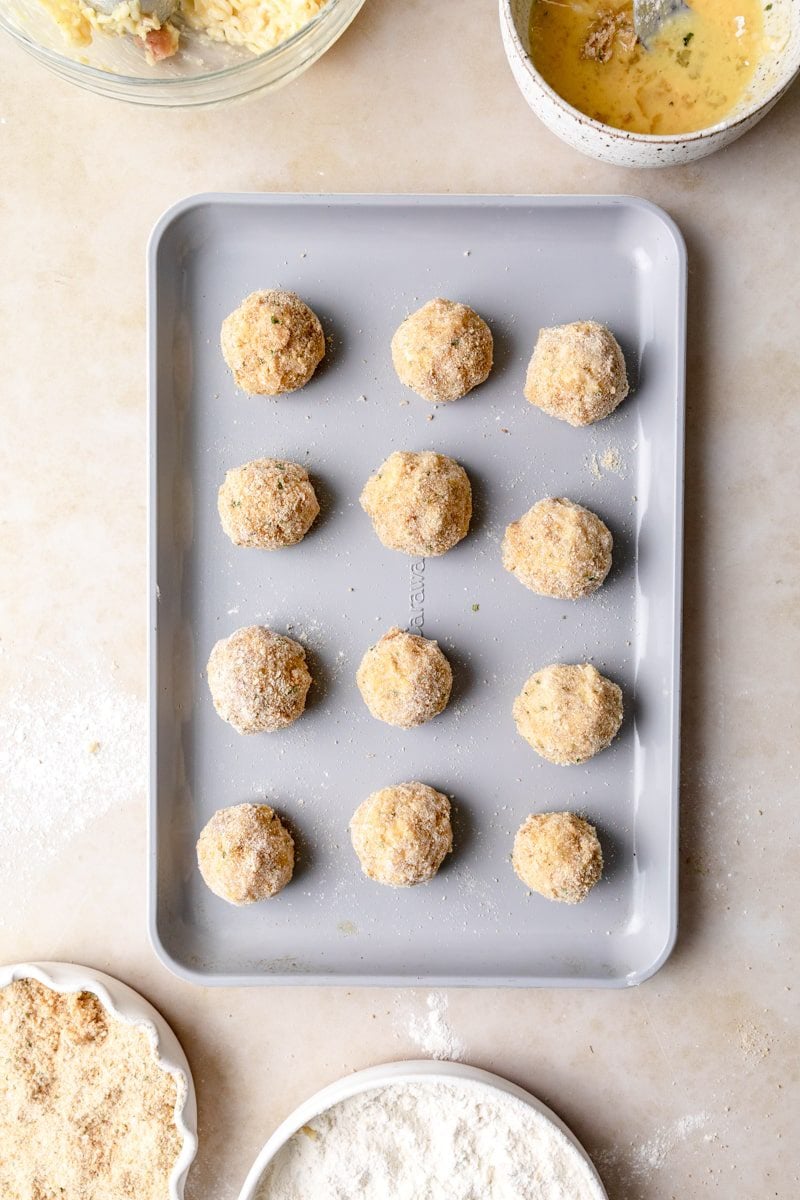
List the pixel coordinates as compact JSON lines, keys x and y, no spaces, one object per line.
{"x":685,"y":1086}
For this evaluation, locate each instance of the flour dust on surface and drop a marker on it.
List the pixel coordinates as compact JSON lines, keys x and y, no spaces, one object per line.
{"x":430,"y":1030}
{"x":72,"y":747}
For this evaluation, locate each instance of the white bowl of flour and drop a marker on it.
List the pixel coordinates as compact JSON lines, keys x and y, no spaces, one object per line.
{"x":444,"y":1131}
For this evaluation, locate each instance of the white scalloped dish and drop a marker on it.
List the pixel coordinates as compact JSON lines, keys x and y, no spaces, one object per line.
{"x":127,"y":1006}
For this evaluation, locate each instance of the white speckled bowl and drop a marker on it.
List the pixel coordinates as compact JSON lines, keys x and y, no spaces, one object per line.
{"x":392,"y":1075}
{"x":775,"y":73}
{"x":126,"y":1005}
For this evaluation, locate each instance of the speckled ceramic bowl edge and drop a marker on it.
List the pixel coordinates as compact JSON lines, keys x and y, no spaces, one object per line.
{"x":394,"y":1074}
{"x":128,"y":1006}
{"x":618,"y":146}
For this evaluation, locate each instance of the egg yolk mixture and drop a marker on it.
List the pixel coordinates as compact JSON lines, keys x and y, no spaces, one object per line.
{"x":690,"y":75}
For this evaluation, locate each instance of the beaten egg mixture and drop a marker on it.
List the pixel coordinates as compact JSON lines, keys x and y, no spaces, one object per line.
{"x":690,"y":76}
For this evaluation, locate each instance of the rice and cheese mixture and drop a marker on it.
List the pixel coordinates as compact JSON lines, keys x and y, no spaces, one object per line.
{"x":258,"y":25}
{"x":254,"y":25}
{"x":79,"y":21}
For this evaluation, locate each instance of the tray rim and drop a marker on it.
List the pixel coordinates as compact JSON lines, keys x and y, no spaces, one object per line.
{"x":173,"y":214}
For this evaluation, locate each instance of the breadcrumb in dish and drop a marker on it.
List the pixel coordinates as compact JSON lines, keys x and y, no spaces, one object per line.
{"x":87,"y":1110}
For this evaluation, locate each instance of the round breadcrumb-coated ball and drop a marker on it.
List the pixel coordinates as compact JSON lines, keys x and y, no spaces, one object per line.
{"x":258,"y":679}
{"x":269,"y":503}
{"x":420,"y":502}
{"x":245,"y":853}
{"x":443,"y":350}
{"x":404,"y":679}
{"x":401,"y":834}
{"x":577,"y":373}
{"x":558,"y":549}
{"x":273,"y":343}
{"x":558,"y":856}
{"x":568,"y":713}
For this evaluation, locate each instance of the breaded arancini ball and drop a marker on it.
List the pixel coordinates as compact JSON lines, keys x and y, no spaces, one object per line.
{"x":258,"y":680}
{"x":273,"y":343}
{"x":558,"y":856}
{"x":269,"y":503}
{"x":420,"y":502}
{"x":401,"y":834}
{"x":245,"y":853}
{"x":577,"y":373}
{"x":568,"y":713}
{"x":404,"y":679}
{"x":443,"y":350}
{"x":558,"y":549}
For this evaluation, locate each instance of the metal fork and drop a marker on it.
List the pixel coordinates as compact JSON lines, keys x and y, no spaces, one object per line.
{"x":650,"y":15}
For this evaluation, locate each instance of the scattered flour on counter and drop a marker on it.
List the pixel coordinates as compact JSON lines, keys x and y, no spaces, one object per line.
{"x":643,"y":1159}
{"x":432,"y":1033}
{"x":440,"y":1141}
{"x":652,"y":1155}
{"x":208,"y":1176}
{"x":754,"y":1042}
{"x":71,"y":747}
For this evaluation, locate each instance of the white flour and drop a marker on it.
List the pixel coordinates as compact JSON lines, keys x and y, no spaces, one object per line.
{"x":634,"y":1163}
{"x":439,"y":1141}
{"x":432,"y":1032}
{"x":71,"y":747}
{"x":652,"y":1155}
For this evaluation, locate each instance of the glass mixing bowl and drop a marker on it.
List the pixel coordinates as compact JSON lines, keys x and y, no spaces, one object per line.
{"x":203,"y":71}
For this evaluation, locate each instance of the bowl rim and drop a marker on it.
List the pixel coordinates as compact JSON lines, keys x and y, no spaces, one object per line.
{"x":393,"y":1074}
{"x":128,"y":1006}
{"x":627,"y":135}
{"x":176,"y":84}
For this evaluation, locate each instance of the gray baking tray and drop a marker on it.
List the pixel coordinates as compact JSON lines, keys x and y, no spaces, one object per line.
{"x":364,"y":262}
